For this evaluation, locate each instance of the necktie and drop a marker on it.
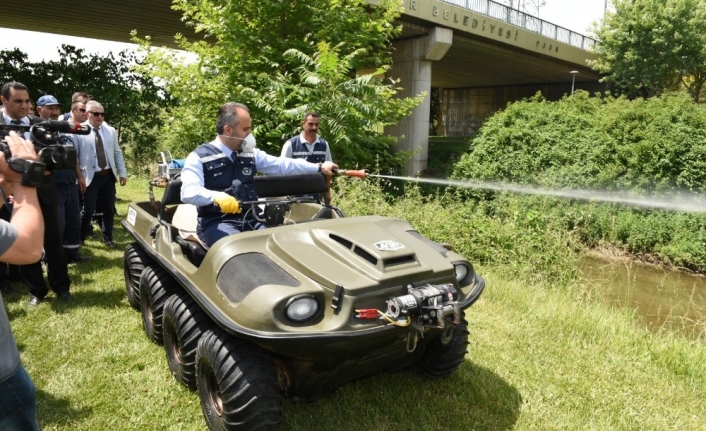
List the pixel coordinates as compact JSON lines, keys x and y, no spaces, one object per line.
{"x":100,"y":151}
{"x":19,"y":123}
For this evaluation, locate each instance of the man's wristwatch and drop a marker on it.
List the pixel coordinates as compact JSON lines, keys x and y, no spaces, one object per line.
{"x":319,"y":167}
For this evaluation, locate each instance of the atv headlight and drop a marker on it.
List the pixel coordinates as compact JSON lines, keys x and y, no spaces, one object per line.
{"x":301,"y":308}
{"x":464,"y":273}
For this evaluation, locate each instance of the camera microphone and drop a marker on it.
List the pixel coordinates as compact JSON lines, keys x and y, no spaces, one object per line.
{"x":65,"y":127}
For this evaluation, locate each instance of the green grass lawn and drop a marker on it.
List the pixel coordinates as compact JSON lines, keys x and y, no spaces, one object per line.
{"x":540,"y":358}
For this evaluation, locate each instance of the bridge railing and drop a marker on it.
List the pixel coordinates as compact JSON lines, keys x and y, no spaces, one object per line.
{"x":526,"y":21}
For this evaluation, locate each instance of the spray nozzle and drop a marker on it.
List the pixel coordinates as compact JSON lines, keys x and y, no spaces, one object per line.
{"x":362,"y":173}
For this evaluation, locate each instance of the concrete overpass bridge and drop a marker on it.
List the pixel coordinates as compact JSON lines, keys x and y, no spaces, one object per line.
{"x":478,"y":53}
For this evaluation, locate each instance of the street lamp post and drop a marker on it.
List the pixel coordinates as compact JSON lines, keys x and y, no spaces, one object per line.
{"x":573,"y":80}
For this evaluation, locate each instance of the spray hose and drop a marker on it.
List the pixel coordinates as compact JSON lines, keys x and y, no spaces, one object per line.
{"x":362,"y":173}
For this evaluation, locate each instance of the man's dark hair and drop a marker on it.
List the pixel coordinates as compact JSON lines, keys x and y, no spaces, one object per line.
{"x":311,"y":114}
{"x":17,"y":86}
{"x":228,"y":115}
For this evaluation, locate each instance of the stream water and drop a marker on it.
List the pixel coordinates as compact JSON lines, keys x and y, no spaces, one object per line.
{"x":663,"y":299}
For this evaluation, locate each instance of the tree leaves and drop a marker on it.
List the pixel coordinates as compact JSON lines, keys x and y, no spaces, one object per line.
{"x":284,"y":58}
{"x":132,"y":101}
{"x":647,"y":47}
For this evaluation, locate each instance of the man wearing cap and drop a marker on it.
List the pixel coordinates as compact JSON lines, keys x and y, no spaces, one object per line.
{"x":48,"y":107}
{"x":15,"y":97}
{"x":68,"y":183}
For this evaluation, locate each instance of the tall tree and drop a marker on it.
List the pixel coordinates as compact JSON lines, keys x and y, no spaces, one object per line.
{"x":648,"y":46}
{"x":354,"y":109}
{"x":693,"y":68}
{"x":283,"y":58}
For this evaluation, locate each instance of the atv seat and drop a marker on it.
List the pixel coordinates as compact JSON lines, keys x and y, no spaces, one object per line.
{"x":180,"y":220}
{"x":185,"y":220}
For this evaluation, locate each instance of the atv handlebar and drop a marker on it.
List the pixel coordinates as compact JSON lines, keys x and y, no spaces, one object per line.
{"x":361,"y":173}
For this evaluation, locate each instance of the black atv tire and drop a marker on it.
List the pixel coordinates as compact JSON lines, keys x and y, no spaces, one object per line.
{"x":183,"y":324}
{"x":156,"y":286}
{"x":441,"y":360}
{"x":237,"y":384}
{"x":134,"y":262}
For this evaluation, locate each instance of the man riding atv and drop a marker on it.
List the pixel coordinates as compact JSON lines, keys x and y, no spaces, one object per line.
{"x":222,"y":172}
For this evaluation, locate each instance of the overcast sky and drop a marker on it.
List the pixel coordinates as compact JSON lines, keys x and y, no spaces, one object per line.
{"x":576,"y":15}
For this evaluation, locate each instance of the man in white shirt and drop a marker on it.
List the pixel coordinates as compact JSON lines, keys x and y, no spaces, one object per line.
{"x":222,"y":172}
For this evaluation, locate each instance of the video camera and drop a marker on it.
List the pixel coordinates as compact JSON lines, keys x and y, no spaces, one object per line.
{"x":52,"y":151}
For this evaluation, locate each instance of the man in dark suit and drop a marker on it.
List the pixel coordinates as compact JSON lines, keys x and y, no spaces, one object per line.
{"x":102,"y":164}
{"x":16,"y":100}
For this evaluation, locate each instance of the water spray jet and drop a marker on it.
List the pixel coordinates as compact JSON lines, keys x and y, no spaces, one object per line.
{"x":687,"y":202}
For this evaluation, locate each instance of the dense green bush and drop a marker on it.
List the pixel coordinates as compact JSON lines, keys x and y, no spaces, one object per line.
{"x":654,"y":147}
{"x":587,"y":142}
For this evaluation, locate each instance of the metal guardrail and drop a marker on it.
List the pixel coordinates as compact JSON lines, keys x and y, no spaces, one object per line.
{"x":528,"y":22}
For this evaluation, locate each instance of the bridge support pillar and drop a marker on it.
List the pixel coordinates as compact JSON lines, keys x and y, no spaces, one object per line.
{"x":412,"y":65}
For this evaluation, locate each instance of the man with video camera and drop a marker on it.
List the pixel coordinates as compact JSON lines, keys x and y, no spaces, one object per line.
{"x":20,"y":243}
{"x":68,"y":183}
{"x":15,"y":98}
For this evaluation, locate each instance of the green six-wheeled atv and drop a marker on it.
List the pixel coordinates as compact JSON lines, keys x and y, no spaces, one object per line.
{"x":311,"y":302}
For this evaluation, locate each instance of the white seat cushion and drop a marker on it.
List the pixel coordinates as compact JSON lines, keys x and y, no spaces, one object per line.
{"x":185,"y":220}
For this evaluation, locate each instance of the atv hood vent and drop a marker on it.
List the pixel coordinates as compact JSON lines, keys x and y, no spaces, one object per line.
{"x":370,"y":258}
{"x":246,"y":272}
{"x":355,"y":249}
